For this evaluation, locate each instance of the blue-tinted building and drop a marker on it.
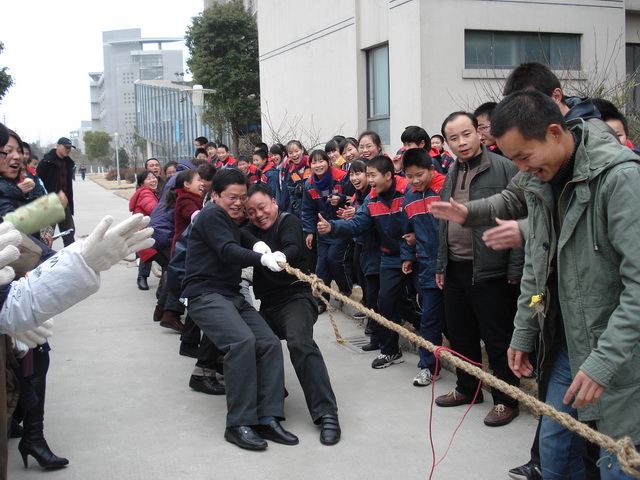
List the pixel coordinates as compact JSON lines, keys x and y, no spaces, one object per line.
{"x":166,"y":119}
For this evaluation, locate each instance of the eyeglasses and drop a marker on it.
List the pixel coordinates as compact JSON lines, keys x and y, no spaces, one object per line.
{"x":234,"y":199}
{"x":482,"y":128}
{"x":4,"y":154}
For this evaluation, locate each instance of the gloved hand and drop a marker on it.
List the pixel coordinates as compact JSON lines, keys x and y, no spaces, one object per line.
{"x":9,"y":239}
{"x":104,"y":248}
{"x":37,"y":336}
{"x":261,"y":248}
{"x":270,"y":260}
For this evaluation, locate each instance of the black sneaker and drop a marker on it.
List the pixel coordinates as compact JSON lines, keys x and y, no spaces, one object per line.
{"x":384,"y":361}
{"x":528,"y":471}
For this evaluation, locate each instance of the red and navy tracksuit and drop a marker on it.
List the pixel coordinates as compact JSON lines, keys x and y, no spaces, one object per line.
{"x":293,"y":186}
{"x":387,"y":217}
{"x":271,"y":174}
{"x":230,"y":163}
{"x":425,"y":253}
{"x":332,"y":263}
{"x":255,"y":175}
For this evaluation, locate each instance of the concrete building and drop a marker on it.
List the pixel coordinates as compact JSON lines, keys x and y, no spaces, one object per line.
{"x":77,"y":136}
{"x":166,"y":119}
{"x":127,"y":58}
{"x":345,"y":66}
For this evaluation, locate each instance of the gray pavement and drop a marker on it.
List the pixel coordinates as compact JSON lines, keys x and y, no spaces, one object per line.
{"x":118,"y":403}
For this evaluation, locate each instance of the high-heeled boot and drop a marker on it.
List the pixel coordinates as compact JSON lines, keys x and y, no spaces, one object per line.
{"x":33,"y":442}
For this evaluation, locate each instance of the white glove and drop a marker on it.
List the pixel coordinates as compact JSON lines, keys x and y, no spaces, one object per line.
{"x":37,"y":336}
{"x":9,"y":239}
{"x":20,"y":349}
{"x":103,"y":249}
{"x":270,"y":260}
{"x":261,"y":248}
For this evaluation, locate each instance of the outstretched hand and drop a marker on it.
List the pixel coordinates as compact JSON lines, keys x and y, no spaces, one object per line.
{"x":505,"y":235}
{"x":105,"y":247}
{"x":451,"y":211}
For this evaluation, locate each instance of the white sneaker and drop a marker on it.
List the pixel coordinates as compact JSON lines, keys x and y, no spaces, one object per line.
{"x":424,"y":378}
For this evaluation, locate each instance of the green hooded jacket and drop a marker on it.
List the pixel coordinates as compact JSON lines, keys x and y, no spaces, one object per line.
{"x":598,"y":261}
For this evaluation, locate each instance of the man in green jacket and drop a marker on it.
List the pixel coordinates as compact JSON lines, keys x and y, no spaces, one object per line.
{"x":580,"y":286}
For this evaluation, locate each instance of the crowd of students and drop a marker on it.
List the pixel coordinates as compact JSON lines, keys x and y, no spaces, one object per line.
{"x":372,"y":219}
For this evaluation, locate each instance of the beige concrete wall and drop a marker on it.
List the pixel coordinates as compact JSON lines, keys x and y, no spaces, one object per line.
{"x":313,"y":60}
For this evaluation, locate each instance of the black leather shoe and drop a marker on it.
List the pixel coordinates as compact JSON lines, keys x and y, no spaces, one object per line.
{"x":321,"y":308}
{"x":142,"y":283}
{"x":370,"y":347}
{"x":208,"y":385}
{"x":188,"y":350}
{"x":245,"y":437}
{"x":329,"y":429}
{"x":276,"y":433}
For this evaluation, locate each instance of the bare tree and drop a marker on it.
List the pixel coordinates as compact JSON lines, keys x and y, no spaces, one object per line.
{"x":288,"y":129}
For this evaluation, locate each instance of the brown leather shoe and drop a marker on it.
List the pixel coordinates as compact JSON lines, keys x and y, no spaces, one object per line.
{"x":158,"y":313}
{"x":172,"y":320}
{"x":455,"y":398}
{"x":500,"y":415}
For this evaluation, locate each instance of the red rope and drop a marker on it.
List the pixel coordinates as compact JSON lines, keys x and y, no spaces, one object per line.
{"x":436,"y":353}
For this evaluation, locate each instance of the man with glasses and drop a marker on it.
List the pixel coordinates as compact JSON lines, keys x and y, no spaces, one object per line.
{"x":253,"y":364}
{"x":483,"y":115}
{"x":56,"y":172}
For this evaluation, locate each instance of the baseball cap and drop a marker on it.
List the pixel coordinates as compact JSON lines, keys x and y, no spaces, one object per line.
{"x":66,"y":142}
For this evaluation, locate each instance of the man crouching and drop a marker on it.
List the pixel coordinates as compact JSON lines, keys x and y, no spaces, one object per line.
{"x":287,"y":305}
{"x":253,"y":365}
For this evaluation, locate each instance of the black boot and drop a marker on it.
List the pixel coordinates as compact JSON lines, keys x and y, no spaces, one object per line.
{"x":142,"y":283}
{"x":33,"y":442}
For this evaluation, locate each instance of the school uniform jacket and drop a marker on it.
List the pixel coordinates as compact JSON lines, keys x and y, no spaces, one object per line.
{"x":390,"y":222}
{"x":314,"y":202}
{"x":425,"y":228}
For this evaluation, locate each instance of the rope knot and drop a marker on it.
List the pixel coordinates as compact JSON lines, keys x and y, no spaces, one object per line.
{"x":628,"y":457}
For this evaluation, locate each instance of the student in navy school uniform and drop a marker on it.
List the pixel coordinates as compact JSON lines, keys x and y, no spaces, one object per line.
{"x":326,"y":190}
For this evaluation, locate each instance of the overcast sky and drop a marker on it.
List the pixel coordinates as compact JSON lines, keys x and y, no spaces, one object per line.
{"x":50,"y":46}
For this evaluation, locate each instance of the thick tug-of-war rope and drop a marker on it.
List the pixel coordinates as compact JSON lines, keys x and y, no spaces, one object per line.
{"x":624,"y":448}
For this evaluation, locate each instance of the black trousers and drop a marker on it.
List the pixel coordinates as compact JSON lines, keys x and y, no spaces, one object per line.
{"x":292,"y":320}
{"x":479,"y":311}
{"x":67,"y":224}
{"x":395,"y":305}
{"x":253,"y":364}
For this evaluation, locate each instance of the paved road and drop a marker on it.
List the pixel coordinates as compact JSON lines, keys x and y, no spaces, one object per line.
{"x":118,"y":403}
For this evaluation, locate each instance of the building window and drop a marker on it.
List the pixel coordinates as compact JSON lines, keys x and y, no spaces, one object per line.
{"x":506,"y":50}
{"x":378,"y":92}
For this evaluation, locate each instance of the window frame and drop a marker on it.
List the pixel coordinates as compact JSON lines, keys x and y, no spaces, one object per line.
{"x":518,"y":41}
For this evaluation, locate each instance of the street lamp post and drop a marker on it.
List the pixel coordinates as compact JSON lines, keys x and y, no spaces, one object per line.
{"x":115,"y":137}
{"x":198,"y":105}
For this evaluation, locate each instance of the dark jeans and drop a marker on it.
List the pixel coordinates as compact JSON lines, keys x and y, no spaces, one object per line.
{"x":479,"y":311}
{"x":253,"y":364}
{"x":394,"y":305}
{"x":371,"y":290}
{"x":293,"y":320}
{"x":431,"y":325}
{"x":67,"y":224}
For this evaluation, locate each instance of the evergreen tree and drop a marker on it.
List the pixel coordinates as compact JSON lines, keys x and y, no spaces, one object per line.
{"x":223,"y":44}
